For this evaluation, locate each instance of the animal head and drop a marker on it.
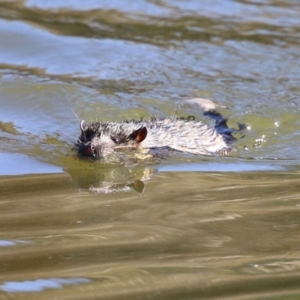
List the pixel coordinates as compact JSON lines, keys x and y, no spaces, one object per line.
{"x":100,"y":139}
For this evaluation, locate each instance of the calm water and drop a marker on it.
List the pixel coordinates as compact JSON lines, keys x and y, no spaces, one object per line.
{"x":186,"y":227}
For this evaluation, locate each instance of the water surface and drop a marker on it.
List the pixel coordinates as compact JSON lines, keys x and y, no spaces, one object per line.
{"x":182,"y":227}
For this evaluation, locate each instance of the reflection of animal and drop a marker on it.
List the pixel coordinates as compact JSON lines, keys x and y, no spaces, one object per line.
{"x":112,"y":187}
{"x":101,"y":138}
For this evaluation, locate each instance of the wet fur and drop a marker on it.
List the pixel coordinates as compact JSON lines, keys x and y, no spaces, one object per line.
{"x":99,"y":139}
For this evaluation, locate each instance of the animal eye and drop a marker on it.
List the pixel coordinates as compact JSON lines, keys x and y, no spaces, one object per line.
{"x":115,"y":139}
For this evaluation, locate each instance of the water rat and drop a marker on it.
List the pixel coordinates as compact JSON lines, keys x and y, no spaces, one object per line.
{"x":100,"y":139}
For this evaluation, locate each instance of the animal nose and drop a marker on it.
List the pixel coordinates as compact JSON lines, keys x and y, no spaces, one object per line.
{"x":87,"y":150}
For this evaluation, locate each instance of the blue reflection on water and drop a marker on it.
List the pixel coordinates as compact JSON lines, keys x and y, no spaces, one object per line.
{"x":222,"y":167}
{"x":39,"y":285}
{"x":17,"y":164}
{"x":7,"y":243}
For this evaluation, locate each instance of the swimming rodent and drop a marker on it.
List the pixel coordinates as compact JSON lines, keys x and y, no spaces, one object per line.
{"x":100,"y":139}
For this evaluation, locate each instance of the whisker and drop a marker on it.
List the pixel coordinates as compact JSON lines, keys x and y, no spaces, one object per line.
{"x":75,"y":114}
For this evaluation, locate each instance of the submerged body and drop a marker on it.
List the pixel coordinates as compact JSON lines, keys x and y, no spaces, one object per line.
{"x":101,"y":138}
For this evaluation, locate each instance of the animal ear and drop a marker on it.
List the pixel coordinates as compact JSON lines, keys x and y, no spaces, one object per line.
{"x":139,"y":135}
{"x":84,"y":126}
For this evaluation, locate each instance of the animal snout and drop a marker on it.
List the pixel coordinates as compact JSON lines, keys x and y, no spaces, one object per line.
{"x":102,"y":151}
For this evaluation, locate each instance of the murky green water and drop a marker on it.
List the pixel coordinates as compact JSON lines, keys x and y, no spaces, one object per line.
{"x":186,"y":227}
